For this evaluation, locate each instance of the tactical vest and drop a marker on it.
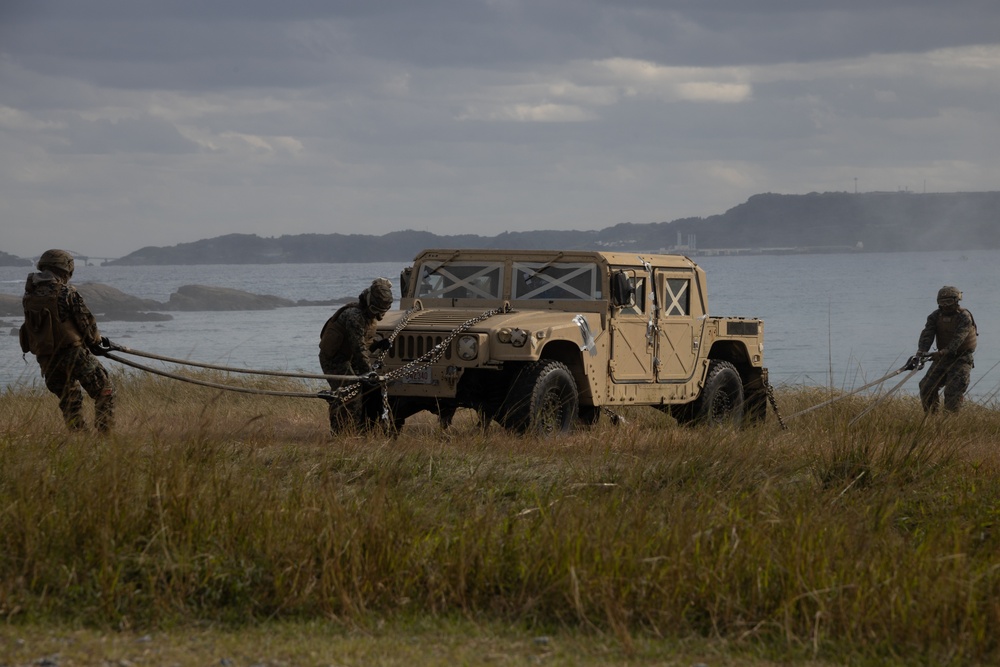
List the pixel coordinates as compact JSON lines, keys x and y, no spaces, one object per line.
{"x":42,"y":333}
{"x":945,"y":333}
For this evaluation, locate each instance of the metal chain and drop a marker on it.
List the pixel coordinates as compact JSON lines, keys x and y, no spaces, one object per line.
{"x":432,"y":355}
{"x":774,"y":404}
{"x":347,"y":392}
{"x":436,"y":352}
{"x":403,"y":321}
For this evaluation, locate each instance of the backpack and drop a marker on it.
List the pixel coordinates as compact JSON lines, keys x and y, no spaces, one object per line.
{"x":37,"y":334}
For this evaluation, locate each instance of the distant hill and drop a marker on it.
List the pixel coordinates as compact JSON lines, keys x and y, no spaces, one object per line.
{"x":814,"y":222}
{"x":12,"y":260}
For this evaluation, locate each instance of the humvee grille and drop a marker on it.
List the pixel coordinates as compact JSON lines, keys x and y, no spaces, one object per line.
{"x":442,"y":317}
{"x":411,"y":346}
{"x":742,"y":328}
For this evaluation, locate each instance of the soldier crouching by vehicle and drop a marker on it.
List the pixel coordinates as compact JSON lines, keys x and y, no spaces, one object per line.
{"x":954,"y":329}
{"x":62,"y":333}
{"x":345,"y":345}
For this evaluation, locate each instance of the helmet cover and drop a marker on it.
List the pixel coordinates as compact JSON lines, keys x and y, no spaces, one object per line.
{"x":59,"y":260}
{"x":378,"y":296}
{"x":948,"y":293}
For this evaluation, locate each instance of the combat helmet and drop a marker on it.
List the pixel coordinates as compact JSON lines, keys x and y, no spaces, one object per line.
{"x":60,"y":260}
{"x":948,"y":295}
{"x":377,"y":298}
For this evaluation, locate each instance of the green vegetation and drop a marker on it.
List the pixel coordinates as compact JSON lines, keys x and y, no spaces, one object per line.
{"x":867,"y":544}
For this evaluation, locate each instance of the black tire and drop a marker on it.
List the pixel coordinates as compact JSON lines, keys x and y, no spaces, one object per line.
{"x":721,"y":401}
{"x":543,"y":400}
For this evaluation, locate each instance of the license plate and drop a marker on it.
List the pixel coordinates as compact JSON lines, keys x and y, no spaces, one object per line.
{"x":420,"y":376}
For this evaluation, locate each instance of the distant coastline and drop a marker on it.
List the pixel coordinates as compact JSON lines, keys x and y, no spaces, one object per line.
{"x":111,"y":304}
{"x":832,"y":222}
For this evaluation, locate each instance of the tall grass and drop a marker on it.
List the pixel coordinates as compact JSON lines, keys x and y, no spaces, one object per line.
{"x":879,"y":539}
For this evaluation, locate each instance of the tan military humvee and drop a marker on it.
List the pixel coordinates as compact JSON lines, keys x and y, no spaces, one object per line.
{"x":537,"y":340}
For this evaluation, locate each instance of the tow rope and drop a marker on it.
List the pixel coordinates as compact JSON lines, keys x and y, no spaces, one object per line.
{"x":912,"y":365}
{"x":885,"y":396}
{"x":229,"y":369}
{"x":325,"y":394}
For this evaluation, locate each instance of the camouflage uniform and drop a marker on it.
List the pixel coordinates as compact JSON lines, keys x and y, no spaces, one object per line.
{"x":60,"y":331}
{"x":954,"y":329}
{"x":344,"y":349}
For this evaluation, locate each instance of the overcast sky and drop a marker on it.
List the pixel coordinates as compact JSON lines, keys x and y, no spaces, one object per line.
{"x":129,"y":123}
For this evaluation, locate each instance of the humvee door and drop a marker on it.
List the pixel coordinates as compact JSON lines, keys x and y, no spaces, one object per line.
{"x":681,"y":312}
{"x":631,"y":343}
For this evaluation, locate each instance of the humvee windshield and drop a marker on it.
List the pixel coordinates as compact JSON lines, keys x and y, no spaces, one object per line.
{"x":541,"y":280}
{"x":461,"y":280}
{"x":531,"y":280}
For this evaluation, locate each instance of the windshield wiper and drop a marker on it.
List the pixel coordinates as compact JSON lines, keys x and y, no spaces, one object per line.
{"x":543,"y":267}
{"x":442,"y":264}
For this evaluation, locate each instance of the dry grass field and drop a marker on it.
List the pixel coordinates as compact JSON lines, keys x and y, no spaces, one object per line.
{"x":224,"y":528}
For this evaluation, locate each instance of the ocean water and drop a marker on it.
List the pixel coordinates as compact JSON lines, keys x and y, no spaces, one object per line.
{"x":830,"y":320}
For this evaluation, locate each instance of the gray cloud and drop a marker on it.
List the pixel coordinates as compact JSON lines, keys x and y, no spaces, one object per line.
{"x":160,"y":123}
{"x":128,"y":135}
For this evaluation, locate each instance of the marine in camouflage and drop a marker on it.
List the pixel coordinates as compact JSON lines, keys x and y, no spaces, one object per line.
{"x":344,"y":349}
{"x":954,"y":330}
{"x":62,"y":344}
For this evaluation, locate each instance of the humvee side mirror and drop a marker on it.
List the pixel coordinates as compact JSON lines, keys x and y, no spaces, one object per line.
{"x":622,"y":290}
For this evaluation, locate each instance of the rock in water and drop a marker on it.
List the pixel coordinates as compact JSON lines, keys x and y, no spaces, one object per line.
{"x":202,"y":297}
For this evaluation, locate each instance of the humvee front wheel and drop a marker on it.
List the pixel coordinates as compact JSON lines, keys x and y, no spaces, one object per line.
{"x":721,"y":401}
{"x":543,"y":400}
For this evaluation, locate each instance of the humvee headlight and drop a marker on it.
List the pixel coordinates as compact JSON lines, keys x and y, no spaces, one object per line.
{"x":467,"y":347}
{"x":518,"y":337}
{"x":515,"y":337}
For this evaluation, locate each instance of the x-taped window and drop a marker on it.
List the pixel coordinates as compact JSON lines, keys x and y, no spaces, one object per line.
{"x":542,"y":280}
{"x":460,"y":280}
{"x":678,"y":297}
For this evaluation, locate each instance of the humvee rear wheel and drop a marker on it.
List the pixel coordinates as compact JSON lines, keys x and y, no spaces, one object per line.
{"x":543,"y":400}
{"x":721,"y":401}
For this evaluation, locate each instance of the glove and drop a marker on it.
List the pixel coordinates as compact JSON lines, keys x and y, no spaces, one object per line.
{"x":936,"y":355}
{"x":102,"y":348}
{"x":380,"y":345}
